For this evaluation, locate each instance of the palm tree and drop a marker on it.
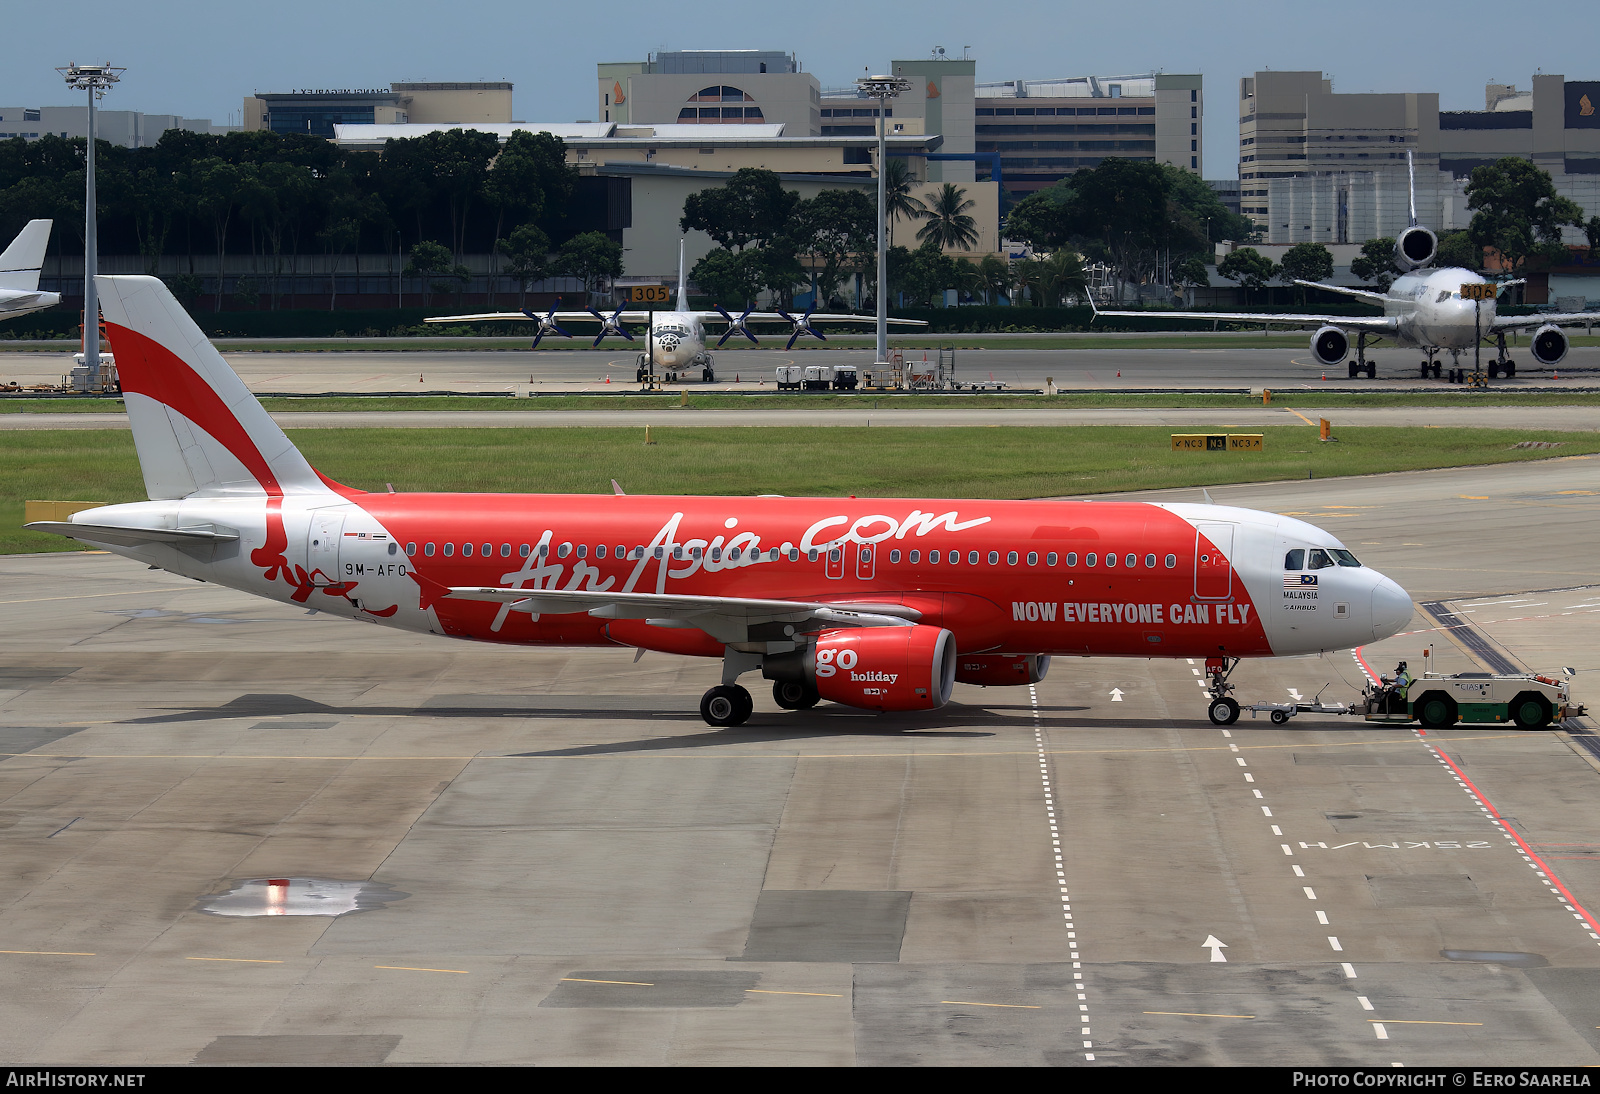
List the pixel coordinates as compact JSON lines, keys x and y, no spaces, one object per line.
{"x":996,"y":277}
{"x":897,"y":200}
{"x":949,"y":224}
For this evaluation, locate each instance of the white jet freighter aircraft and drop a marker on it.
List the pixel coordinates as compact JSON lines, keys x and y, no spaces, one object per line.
{"x":19,"y":272}
{"x":678,"y":337}
{"x":1423,"y":309}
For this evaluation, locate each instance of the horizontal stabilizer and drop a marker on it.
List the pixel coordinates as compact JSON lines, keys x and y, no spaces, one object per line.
{"x":123,"y":536}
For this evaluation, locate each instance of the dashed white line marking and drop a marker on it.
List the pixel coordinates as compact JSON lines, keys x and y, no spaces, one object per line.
{"x":1349,"y":970}
{"x":1383,"y":1034}
{"x":1365,"y":1003}
{"x":1322,"y":918}
{"x":1266,"y":811}
{"x":1333,"y":941}
{"x":1310,"y":893}
{"x":1276,"y":831}
{"x":1297,"y":871}
{"x":1061,"y":877}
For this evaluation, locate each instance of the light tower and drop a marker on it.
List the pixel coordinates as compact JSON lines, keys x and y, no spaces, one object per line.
{"x":883,"y":88}
{"x":96,"y":80}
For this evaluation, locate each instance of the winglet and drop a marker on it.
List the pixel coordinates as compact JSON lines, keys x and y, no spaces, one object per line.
{"x":1207,"y":495}
{"x":1094,"y":312}
{"x":616,"y":488}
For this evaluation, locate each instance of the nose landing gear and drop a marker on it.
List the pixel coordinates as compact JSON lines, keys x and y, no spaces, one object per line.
{"x":1223,"y":709}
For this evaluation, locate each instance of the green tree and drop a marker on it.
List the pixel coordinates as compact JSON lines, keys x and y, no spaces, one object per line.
{"x":589,"y":257}
{"x":1457,"y":249}
{"x":752,"y":207}
{"x":529,"y":180}
{"x":1375,"y":264}
{"x":898,"y":204}
{"x":527,"y":255}
{"x":1592,"y":230}
{"x":1249,"y":267}
{"x":732,"y":279}
{"x":996,"y":277}
{"x":829,"y":231}
{"x":1306,"y":262}
{"x":428,"y":260}
{"x":948,"y":222}
{"x":458,"y":160}
{"x":928,"y":274}
{"x":1518,"y":212}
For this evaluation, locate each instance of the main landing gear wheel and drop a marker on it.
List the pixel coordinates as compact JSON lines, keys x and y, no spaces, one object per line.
{"x":794,"y":695}
{"x":1223,"y":711}
{"x":726,"y":705}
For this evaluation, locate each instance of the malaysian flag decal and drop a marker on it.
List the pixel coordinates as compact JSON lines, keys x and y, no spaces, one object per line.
{"x":1295,"y":581}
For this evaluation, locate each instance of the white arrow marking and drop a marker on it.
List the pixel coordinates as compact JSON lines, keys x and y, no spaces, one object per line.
{"x":1116,"y":695}
{"x":1295,"y":695}
{"x":1215,"y":946}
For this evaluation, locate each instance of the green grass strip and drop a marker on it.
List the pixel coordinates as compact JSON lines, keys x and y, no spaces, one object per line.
{"x":982,"y":462}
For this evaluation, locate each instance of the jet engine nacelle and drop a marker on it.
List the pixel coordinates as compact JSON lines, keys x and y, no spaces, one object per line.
{"x":1415,"y":247}
{"x":1329,"y":345}
{"x":1549,"y":345}
{"x":877,"y":668}
{"x":1002,"y":670}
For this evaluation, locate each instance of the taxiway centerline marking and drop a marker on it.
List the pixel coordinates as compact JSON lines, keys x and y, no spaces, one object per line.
{"x":237,"y":960}
{"x":412,"y":968}
{"x":769,"y":991}
{"x":51,"y":953}
{"x":586,"y":980}
{"x":1418,"y":1022}
{"x":1007,"y":1006}
{"x":1196,"y":1014}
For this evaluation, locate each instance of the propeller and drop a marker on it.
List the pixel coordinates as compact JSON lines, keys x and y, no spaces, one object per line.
{"x":803,"y":325}
{"x":610,"y":325}
{"x":736,"y":326}
{"x":547,"y":325}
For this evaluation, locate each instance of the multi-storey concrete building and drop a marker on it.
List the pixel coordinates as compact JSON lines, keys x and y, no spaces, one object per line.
{"x":1321,"y":166}
{"x":711,"y":87}
{"x":317,"y":112}
{"x":129,"y":128}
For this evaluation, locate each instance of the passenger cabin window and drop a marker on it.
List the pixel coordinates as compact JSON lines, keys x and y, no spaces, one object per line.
{"x":1295,"y":559}
{"x":894,"y":556}
{"x":1072,"y":558}
{"x":1131,"y":560}
{"x":916,"y":557}
{"x":1111,"y":558}
{"x":972,"y":558}
{"x":1033,"y":558}
{"x":1319,"y":559}
{"x":466,"y":550}
{"x":488,"y":549}
{"x":1088,"y":559}
{"x":1172,"y":561}
{"x":411,"y":549}
{"x":449,"y":549}
{"x":994,"y":558}
{"x":524,"y":550}
{"x":427,"y":549}
{"x":1011,"y":558}
{"x":933,"y":558}
{"x":1149,"y":562}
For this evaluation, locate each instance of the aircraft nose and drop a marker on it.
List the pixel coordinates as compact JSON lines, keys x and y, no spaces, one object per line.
{"x":1391,"y":609}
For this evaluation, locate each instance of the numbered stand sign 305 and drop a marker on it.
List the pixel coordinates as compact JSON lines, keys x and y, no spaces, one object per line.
{"x":649,"y":294}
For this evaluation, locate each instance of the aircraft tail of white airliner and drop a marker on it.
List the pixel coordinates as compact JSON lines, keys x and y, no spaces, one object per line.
{"x":197,"y":428}
{"x":22,"y":261}
{"x":683,"y":283}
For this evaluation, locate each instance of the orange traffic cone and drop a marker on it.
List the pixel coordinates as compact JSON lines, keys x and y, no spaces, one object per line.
{"x":1324,"y":375}
{"x":419,"y":377}
{"x":1119,"y":372}
{"x":608,"y":377}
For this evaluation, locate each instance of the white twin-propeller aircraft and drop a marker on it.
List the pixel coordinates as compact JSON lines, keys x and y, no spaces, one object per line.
{"x":1423,"y":309}
{"x":19,"y":272}
{"x":677,"y":337}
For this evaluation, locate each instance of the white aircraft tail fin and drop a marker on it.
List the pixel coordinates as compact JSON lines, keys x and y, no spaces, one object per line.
{"x":1411,"y":178}
{"x":196,"y":427}
{"x":22,"y":261}
{"x":683,"y":284}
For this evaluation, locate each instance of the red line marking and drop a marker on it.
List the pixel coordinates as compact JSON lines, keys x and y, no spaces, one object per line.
{"x":1551,"y":874}
{"x":1373,"y":677}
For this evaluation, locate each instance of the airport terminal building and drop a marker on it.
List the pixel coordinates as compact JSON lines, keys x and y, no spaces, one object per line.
{"x":1325,"y":167}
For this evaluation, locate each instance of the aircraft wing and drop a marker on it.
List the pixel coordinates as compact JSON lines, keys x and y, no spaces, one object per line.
{"x":560,"y":317}
{"x":726,"y":618}
{"x":1376,"y":324}
{"x":1558,"y":319}
{"x":816,"y":317}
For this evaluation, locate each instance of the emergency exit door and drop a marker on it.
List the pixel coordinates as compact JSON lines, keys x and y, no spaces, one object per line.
{"x":1213,"y":574}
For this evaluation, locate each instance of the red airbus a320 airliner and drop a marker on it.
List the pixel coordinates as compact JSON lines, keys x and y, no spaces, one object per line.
{"x":877,"y":603}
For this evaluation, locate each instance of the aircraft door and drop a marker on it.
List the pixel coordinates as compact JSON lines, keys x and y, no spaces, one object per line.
{"x":834,"y":566}
{"x":322,"y":545}
{"x":1213,"y":574}
{"x":866,"y":561}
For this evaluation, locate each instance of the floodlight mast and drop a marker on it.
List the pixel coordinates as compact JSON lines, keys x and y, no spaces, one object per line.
{"x":883,"y":88}
{"x":96,"y":80}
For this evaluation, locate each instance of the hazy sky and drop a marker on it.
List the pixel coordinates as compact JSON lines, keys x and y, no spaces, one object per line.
{"x":200,"y":59}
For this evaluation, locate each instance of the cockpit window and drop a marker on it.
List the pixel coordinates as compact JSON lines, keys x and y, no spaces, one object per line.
{"x":1319,"y":559}
{"x":1345,"y":558}
{"x":1444,"y":294}
{"x":1295,"y":559}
